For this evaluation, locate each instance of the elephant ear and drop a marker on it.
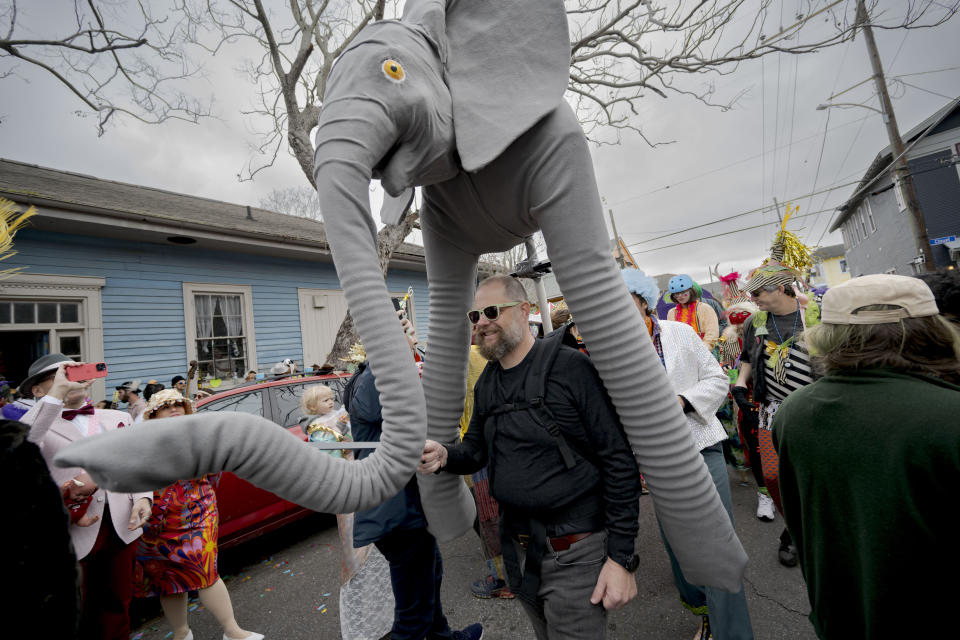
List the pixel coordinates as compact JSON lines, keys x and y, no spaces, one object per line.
{"x":507,"y":67}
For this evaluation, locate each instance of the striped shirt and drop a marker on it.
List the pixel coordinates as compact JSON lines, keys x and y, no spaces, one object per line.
{"x":798,"y":372}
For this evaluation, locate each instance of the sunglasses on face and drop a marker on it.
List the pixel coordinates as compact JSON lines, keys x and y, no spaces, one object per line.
{"x":491,"y":313}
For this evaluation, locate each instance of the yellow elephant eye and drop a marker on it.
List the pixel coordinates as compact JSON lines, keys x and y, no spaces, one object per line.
{"x":393,"y":70}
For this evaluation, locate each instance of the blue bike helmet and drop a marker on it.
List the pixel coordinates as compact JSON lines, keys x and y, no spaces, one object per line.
{"x":680,"y":283}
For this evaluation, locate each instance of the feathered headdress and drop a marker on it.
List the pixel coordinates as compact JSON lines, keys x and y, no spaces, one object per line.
{"x":11,"y":221}
{"x":789,"y":259}
{"x":730,"y":285}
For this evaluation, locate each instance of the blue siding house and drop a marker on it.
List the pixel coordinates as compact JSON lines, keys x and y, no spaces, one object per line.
{"x":147,"y":280}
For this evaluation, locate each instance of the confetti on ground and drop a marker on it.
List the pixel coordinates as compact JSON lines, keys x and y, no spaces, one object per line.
{"x":287,"y":571}
{"x":269,"y":589}
{"x":193,"y":607}
{"x":326,"y":595}
{"x":245,"y":578}
{"x":137,"y":635}
{"x":261,"y":595}
{"x":169,"y":634}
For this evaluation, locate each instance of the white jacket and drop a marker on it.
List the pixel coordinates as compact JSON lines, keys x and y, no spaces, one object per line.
{"x":697,"y":376}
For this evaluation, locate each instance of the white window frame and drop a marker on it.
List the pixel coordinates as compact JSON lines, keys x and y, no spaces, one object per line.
{"x":870,"y":220}
{"x":38,"y":287}
{"x":863,"y":220}
{"x":190,"y":289}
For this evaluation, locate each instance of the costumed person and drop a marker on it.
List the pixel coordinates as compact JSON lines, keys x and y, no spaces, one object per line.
{"x":559,"y":465}
{"x":870,"y":463}
{"x":701,"y":387}
{"x":366,"y":602}
{"x":494,"y":584}
{"x":178,"y":550}
{"x":500,"y":156}
{"x":747,"y":419}
{"x":774,"y":359}
{"x":691,"y":310}
{"x":104,"y":525}
{"x":398,"y":527}
{"x":323,"y":421}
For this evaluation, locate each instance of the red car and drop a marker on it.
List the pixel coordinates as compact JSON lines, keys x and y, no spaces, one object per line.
{"x":246,"y":511}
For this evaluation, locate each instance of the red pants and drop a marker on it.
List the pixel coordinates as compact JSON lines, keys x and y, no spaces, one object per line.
{"x":107,"y":585}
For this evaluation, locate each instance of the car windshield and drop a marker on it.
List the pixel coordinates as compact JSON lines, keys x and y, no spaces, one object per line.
{"x":288,"y":399}
{"x":246,"y":403}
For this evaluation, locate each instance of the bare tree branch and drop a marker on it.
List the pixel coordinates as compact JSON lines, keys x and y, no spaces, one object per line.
{"x":624,"y":50}
{"x":128,"y":62}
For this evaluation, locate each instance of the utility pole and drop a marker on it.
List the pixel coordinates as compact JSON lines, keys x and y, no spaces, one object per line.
{"x":896,"y":143}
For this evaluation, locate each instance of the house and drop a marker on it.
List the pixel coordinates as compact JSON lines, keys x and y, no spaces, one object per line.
{"x":877,"y":231}
{"x":147,"y":280}
{"x":830,"y":266}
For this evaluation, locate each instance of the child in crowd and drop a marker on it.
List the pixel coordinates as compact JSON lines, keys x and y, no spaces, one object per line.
{"x":322,"y":422}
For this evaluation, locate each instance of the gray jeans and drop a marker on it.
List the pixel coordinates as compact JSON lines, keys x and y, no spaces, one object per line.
{"x":567,"y":580}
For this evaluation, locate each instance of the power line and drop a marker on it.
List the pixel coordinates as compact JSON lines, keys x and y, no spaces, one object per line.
{"x":728,"y":166}
{"x":765,"y":224}
{"x":725,"y":233}
{"x":762,"y":209}
{"x":926,"y":90}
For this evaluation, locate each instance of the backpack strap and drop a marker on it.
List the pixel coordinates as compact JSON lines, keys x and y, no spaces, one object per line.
{"x":535,"y":388}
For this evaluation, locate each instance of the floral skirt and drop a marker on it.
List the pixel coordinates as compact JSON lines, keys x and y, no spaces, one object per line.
{"x":176,"y":561}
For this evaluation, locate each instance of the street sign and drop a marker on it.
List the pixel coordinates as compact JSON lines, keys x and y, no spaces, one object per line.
{"x":943,"y":240}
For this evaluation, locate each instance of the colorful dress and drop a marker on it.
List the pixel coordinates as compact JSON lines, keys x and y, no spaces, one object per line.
{"x":178,"y":549}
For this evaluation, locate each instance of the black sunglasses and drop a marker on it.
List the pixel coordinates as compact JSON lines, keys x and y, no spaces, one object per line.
{"x":492,"y":312}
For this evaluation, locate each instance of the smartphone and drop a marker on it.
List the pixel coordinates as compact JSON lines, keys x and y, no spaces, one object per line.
{"x":87,"y":372}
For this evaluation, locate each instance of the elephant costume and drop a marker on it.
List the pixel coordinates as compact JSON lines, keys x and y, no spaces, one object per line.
{"x":465,"y":99}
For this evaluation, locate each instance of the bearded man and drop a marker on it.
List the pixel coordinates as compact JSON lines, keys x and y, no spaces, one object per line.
{"x":560,"y":468}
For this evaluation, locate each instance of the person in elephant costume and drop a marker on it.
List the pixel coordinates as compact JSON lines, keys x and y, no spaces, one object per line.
{"x":464,"y":99}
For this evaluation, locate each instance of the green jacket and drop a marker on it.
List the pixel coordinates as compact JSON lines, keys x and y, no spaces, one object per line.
{"x":869,"y":478}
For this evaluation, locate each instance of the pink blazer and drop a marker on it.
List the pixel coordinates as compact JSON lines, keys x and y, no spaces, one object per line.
{"x":51,"y":433}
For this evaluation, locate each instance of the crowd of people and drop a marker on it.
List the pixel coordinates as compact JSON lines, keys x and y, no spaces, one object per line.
{"x":842,"y":405}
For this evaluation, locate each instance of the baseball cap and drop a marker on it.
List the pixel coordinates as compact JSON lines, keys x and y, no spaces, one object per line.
{"x":913,"y":296}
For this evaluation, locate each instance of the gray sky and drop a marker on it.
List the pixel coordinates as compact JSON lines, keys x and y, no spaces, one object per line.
{"x":721,"y":163}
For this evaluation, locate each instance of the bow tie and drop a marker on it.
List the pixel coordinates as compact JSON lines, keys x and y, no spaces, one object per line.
{"x":70,"y":414}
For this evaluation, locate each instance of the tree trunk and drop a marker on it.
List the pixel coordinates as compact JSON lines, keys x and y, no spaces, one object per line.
{"x":388,"y":239}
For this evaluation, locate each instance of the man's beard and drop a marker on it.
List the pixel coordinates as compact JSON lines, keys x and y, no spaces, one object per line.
{"x":509,"y":338}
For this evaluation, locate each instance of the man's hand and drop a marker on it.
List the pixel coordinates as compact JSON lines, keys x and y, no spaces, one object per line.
{"x":615,"y":587}
{"x":408,"y":330}
{"x":434,"y":457}
{"x":139,"y":514}
{"x":61,"y":386}
{"x":77,"y":489}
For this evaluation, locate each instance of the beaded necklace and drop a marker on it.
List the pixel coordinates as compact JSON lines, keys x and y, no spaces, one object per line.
{"x":780,"y":353}
{"x":796,"y":319}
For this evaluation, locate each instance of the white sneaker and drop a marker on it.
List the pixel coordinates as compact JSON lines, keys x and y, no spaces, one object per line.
{"x":764,"y":507}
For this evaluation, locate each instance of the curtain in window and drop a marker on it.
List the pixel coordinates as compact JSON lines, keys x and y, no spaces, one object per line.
{"x":231,"y":307}
{"x":204,"y":312}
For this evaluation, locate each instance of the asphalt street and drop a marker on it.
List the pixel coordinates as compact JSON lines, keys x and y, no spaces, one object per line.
{"x":285,"y":585}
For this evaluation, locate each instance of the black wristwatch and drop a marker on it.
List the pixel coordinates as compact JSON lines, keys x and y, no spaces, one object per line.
{"x":632,"y":563}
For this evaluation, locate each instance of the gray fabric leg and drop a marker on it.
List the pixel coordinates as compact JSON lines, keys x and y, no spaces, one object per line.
{"x":567,"y":206}
{"x":567,"y":580}
{"x":452,"y":275}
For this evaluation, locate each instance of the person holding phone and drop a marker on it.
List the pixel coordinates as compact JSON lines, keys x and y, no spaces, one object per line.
{"x":105,"y":546}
